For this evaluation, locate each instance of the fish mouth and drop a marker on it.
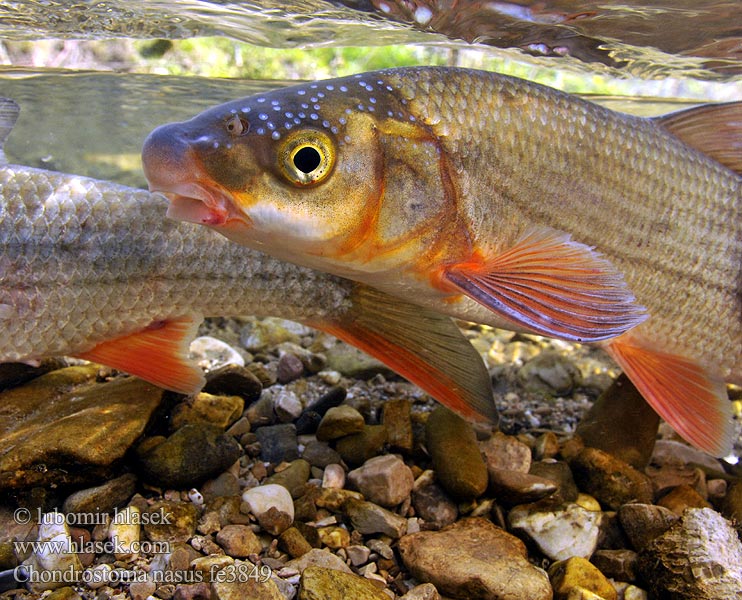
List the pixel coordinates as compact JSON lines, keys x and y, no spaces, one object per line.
{"x":197,"y":203}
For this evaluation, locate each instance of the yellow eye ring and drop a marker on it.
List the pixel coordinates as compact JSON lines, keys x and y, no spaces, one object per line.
{"x":306,"y":157}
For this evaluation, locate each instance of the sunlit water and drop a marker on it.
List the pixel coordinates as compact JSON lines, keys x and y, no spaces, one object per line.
{"x":639,"y":38}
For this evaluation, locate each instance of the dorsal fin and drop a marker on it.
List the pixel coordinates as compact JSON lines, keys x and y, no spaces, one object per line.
{"x":714,"y":129}
{"x":9,"y":111}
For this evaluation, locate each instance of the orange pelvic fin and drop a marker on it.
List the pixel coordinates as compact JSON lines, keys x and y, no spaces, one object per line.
{"x":551,"y":285}
{"x":424,"y":347}
{"x":714,"y":129}
{"x":158,"y":354}
{"x":688,"y":396}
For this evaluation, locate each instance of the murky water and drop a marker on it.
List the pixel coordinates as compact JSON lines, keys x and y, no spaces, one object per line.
{"x":641,"y":38}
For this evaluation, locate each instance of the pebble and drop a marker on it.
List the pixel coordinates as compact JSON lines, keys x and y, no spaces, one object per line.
{"x":334,"y":537}
{"x":546,"y":446}
{"x":550,"y":373}
{"x":141,"y":590}
{"x":369,"y":518}
{"x":287,"y":406}
{"x":46,"y":561}
{"x":644,"y":522}
{"x":192,"y":454}
{"x":357,"y":448}
{"x":559,"y":473}
{"x":333,"y":477}
{"x":192,"y":591}
{"x":612,"y":481}
{"x":290,"y":368}
{"x":294,"y":477}
{"x":697,"y":558}
{"x":318,"y":558}
{"x":234,"y":380}
{"x":560,"y":532}
{"x":234,"y":584}
{"x":398,"y":422}
{"x":124,"y":533}
{"x":338,"y":422}
{"x":578,"y":572}
{"x":103,"y":498}
{"x":211,"y":353}
{"x":619,"y":565}
{"x":506,"y":453}
{"x":425,"y":591}
{"x":621,"y":423}
{"x":272,"y":506}
{"x":278,"y":443}
{"x":318,"y":583}
{"x":353,"y":363}
{"x":358,"y":555}
{"x":433,"y":505}
{"x":270,"y":331}
{"x":293,"y":542}
{"x":223,"y":485}
{"x":221,"y":411}
{"x":238,"y":541}
{"x":453,"y":449}
{"x":385,"y":480}
{"x":474,"y":559}
{"x":312,"y":414}
{"x":319,"y":454}
{"x":260,"y":413}
{"x":170,"y":521}
{"x":682,"y":497}
{"x":515,"y":487}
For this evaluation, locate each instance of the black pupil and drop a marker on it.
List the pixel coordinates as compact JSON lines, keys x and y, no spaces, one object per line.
{"x":307,"y":159}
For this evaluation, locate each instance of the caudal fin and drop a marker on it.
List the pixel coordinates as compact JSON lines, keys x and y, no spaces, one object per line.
{"x":423,"y":346}
{"x":692,"y":399}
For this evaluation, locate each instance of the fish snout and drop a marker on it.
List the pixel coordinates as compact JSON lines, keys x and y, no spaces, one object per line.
{"x":167,"y":158}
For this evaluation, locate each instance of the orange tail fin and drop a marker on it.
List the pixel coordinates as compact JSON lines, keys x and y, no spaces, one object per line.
{"x":688,"y":396}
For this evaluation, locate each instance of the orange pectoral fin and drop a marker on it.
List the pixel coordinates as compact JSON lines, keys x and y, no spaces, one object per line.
{"x":554,"y":286}
{"x":423,"y":346}
{"x":685,"y":394}
{"x":158,"y":354}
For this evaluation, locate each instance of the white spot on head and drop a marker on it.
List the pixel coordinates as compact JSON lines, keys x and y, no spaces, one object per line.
{"x":297,"y":120}
{"x":412,"y":118}
{"x":389,"y":88}
{"x":384,"y":7}
{"x":304,"y":105}
{"x":357,"y":76}
{"x":260,"y":131}
{"x":313,"y":86}
{"x":277,"y":108}
{"x":343,"y":88}
{"x":246,"y":109}
{"x":215,"y":144}
{"x":326,"y":124}
{"x":423,"y":15}
{"x":261,"y":100}
{"x":389,"y":113}
{"x":346,"y":139}
{"x":361,"y":107}
{"x":314,"y":116}
{"x":334,"y":129}
{"x":263,"y":117}
{"x":313,"y":99}
{"x":316,"y":106}
{"x":320,"y":95}
{"x":288,"y":125}
{"x":275,"y":102}
{"x":348,"y":111}
{"x":372,"y":100}
{"x":329,"y":87}
{"x":342,"y":121}
{"x":275,"y":135}
{"x":271,"y":126}
{"x":233,"y":111}
{"x":229,"y":146}
{"x":302,"y":115}
{"x":301,"y":92}
{"x":289,"y":115}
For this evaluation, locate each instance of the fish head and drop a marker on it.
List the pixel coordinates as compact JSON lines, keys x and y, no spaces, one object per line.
{"x":311,"y":170}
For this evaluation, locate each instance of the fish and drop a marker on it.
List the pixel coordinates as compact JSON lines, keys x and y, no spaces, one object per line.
{"x":495,"y":200}
{"x":94,"y":270}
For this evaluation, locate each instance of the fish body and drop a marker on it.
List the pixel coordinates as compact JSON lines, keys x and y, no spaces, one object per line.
{"x":499,"y":201}
{"x":93,"y":269}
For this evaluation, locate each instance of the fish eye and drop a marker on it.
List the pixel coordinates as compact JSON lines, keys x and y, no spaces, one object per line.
{"x":306,"y":157}
{"x":236,"y":125}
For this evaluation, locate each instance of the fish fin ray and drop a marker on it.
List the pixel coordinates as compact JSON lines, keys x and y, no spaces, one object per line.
{"x":692,"y":399}
{"x":714,"y":129}
{"x":425,"y":347}
{"x":158,"y":354}
{"x":9,"y":111}
{"x":552,"y":285}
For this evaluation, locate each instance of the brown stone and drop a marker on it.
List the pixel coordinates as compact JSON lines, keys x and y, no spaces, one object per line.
{"x":682,"y":497}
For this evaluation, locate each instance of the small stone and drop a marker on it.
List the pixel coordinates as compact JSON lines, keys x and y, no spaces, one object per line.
{"x":357,"y":448}
{"x":334,"y":537}
{"x":240,"y":427}
{"x":47,"y":561}
{"x":319,"y":454}
{"x":293,"y":478}
{"x":546,"y":446}
{"x":272,"y":506}
{"x":66,"y":593}
{"x":329,"y":584}
{"x":385,"y":480}
{"x":578,"y":572}
{"x":731,"y":505}
{"x":287,"y":405}
{"x":560,"y":532}
{"x":369,"y":518}
{"x":189,"y":456}
{"x":293,"y":542}
{"x":234,"y":380}
{"x":124,"y":533}
{"x":338,"y":422}
{"x":318,"y":558}
{"x":358,"y":555}
{"x":506,"y":453}
{"x":453,"y":448}
{"x":270,"y":331}
{"x":670,"y":452}
{"x":224,"y":485}
{"x":396,"y":418}
{"x":333,"y":477}
{"x":353,"y":363}
{"x":211,"y":353}
{"x":697,"y":558}
{"x":644,"y":522}
{"x":211,"y":563}
{"x":260,"y":413}
{"x":97,"y":576}
{"x":232,"y":583}
{"x":278,"y":443}
{"x":312,"y":415}
{"x":616,"y":564}
{"x":193,"y":591}
{"x":290,"y":367}
{"x":425,"y":591}
{"x":238,"y":541}
{"x":560,"y":474}
{"x":515,"y":487}
{"x":169,"y":521}
{"x":612,"y":481}
{"x":434,"y":506}
{"x":550,"y":373}
{"x":622,"y":424}
{"x":141,"y":590}
{"x":682,"y":497}
{"x":334,"y":498}
{"x":103,"y":498}
{"x":221,"y":411}
{"x":476,"y":560}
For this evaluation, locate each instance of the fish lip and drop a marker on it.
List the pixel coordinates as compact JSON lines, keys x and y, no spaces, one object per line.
{"x":195,"y":202}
